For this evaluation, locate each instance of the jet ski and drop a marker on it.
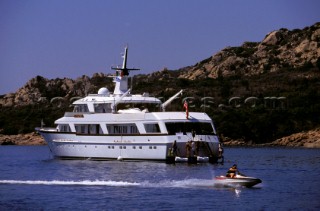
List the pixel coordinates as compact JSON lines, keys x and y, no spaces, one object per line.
{"x":236,"y":181}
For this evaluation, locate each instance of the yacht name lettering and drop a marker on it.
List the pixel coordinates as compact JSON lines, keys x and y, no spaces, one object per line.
{"x":122,"y":141}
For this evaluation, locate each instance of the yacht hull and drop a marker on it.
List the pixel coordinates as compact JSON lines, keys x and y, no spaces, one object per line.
{"x":104,"y":147}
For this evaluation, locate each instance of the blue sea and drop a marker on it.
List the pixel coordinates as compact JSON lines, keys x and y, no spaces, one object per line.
{"x":31,"y":179}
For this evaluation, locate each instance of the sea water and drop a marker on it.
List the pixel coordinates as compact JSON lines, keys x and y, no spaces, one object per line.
{"x":31,"y":179}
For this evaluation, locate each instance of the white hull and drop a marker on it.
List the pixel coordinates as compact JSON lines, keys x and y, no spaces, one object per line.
{"x":74,"y":146}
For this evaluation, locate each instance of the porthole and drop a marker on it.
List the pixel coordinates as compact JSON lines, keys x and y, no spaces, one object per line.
{"x":154,"y":147}
{"x":140,"y":147}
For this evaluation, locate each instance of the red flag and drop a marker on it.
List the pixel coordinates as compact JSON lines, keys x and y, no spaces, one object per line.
{"x":185,"y":105}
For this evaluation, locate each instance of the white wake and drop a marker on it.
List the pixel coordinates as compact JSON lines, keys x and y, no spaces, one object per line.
{"x":187,"y":183}
{"x":62,"y":182}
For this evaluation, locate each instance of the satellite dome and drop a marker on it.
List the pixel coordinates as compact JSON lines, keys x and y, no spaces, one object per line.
{"x":103,"y":91}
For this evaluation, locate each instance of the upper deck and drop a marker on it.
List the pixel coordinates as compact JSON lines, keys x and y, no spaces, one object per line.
{"x":96,"y":103}
{"x":132,"y":115}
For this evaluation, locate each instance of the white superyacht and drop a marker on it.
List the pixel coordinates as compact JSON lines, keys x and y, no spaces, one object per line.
{"x":126,"y":126}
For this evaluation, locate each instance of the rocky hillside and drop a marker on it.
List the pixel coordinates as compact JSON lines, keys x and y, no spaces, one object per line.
{"x":280,"y":49}
{"x":22,"y":139}
{"x":256,"y":93}
{"x":40,"y":89}
{"x":309,"y":139}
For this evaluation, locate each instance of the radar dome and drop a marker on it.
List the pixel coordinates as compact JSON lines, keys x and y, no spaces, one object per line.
{"x":103,"y":91}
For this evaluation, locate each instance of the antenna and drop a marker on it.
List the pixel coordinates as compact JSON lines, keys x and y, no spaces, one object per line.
{"x":124,"y":71}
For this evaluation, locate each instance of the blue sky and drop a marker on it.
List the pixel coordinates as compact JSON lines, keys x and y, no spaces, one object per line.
{"x":71,"y":38}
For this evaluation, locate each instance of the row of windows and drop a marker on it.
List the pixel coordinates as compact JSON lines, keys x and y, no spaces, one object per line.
{"x":107,"y":107}
{"x":198,"y":128}
{"x":98,"y":108}
{"x":89,"y":129}
{"x":124,"y":147}
{"x":123,"y":129}
{"x":134,"y":147}
{"x":112,"y":128}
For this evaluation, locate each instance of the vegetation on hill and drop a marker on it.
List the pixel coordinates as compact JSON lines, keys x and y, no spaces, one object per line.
{"x":258,"y":108}
{"x":257,"y":92}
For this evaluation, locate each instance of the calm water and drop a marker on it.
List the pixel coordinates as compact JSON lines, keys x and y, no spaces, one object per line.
{"x":30,"y":179}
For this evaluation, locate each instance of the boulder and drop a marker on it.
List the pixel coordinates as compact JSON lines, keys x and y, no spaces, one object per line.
{"x":271,"y":39}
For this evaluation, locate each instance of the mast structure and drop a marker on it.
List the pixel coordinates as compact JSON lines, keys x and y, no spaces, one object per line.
{"x":121,"y":78}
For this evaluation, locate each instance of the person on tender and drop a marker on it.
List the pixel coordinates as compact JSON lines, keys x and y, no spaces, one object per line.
{"x":174,"y":148}
{"x":232,"y":172}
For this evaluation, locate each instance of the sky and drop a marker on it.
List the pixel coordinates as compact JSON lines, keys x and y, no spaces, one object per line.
{"x":71,"y":38}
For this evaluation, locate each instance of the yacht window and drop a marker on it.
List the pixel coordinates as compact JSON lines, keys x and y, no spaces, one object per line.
{"x":122,"y":129}
{"x":64,"y":128}
{"x":152,"y":128}
{"x":88,"y":129}
{"x":81,"y":108}
{"x":80,"y":129}
{"x":145,"y":107}
{"x":200,"y":128}
{"x":134,"y":129}
{"x":95,"y":129}
{"x":102,"y":108}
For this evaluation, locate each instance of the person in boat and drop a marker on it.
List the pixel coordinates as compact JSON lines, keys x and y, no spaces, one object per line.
{"x":188,"y":148}
{"x":193,"y":134}
{"x":233,"y":171}
{"x":193,"y":148}
{"x":174,"y":148}
{"x":220,"y":150}
{"x":197,"y":147}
